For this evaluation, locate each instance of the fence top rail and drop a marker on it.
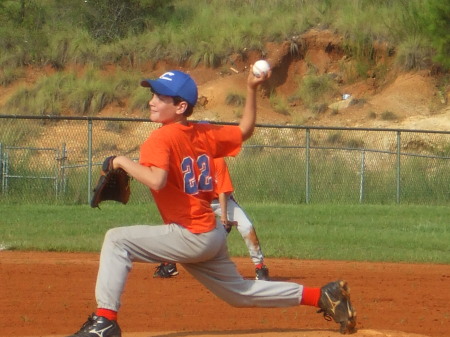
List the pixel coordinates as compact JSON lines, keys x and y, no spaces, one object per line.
{"x":30,"y":148}
{"x":272,"y":126}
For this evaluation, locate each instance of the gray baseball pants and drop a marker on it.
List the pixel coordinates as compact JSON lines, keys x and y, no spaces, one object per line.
{"x":205,"y":256}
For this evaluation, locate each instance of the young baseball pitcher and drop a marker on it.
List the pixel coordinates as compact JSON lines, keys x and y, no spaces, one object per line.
{"x":231,"y":214}
{"x":175,"y":163}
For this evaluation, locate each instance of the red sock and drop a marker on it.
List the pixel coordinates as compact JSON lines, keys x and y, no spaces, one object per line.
{"x":310,"y":297}
{"x":107,"y":313}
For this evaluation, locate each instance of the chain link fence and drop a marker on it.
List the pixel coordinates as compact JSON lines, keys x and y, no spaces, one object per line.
{"x":57,"y":160}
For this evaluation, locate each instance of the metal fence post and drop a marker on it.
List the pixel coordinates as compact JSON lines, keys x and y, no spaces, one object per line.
{"x":89,"y":159}
{"x":398,"y":166}
{"x":307,"y":165}
{"x":5,"y":172}
{"x":56,"y":176}
{"x":361,"y":183}
{"x":1,"y":165}
{"x":62,"y":169}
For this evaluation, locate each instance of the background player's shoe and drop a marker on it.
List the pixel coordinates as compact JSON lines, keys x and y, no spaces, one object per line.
{"x":166,"y":270}
{"x":262,"y":273}
{"x":335,"y":304}
{"x":97,"y":326}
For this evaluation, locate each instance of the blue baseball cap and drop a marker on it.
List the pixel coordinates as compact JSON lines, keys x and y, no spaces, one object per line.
{"x":174,"y":83}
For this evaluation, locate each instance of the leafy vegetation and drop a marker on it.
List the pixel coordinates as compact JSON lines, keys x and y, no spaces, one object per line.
{"x":85,"y":94}
{"x":206,"y":31}
{"x":134,"y":33}
{"x":438,"y":28}
{"x":315,"y":90}
{"x":279,"y":104}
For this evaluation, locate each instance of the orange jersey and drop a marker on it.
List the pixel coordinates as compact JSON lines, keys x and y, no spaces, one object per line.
{"x":223,"y":179}
{"x":186,"y":152}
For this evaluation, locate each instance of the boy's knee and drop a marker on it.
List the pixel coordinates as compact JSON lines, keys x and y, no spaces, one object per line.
{"x":113,"y":235}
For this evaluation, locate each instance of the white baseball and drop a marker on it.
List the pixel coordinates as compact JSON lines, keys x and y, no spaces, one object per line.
{"x":260,"y":67}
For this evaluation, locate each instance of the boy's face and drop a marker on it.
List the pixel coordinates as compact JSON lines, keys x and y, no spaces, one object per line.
{"x":163,"y":110}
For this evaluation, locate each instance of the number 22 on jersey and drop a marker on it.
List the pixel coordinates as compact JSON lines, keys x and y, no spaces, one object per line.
{"x":192,"y":183}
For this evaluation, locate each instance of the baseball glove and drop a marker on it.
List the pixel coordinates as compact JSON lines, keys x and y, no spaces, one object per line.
{"x":113,"y":184}
{"x":335,"y":304}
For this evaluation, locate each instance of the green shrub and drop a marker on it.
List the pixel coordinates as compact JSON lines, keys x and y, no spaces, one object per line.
{"x":437,"y":29}
{"x":316,"y":89}
{"x":372,"y":115}
{"x":388,"y":115}
{"x":140,"y":99}
{"x":414,"y":54}
{"x":235,"y":99}
{"x":334,"y":138}
{"x":279,"y":104}
{"x":10,"y":74}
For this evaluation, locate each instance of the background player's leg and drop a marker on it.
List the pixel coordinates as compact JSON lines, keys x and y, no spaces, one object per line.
{"x":247,"y":231}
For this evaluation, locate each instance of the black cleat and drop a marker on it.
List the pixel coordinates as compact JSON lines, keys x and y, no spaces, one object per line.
{"x":166,"y":270}
{"x":98,"y":326}
{"x":262,"y":273}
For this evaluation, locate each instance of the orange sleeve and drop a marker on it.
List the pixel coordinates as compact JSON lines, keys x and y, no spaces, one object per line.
{"x":223,"y":179}
{"x":155,"y":152}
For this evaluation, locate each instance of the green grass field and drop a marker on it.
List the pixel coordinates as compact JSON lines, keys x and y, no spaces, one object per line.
{"x":332,"y":232}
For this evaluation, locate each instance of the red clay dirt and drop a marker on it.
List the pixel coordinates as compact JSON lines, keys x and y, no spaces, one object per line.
{"x":51,"y":294}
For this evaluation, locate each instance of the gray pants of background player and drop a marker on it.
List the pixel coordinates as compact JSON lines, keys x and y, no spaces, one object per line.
{"x":205,"y":256}
{"x":244,"y":226}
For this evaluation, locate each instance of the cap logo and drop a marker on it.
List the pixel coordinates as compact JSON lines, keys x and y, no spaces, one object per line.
{"x":167,"y":76}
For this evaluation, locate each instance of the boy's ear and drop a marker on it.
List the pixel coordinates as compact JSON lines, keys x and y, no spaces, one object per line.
{"x":181,"y":107}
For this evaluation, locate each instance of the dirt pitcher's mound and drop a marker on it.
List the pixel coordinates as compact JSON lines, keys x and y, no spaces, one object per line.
{"x":52,"y":294}
{"x":296,"y":333}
